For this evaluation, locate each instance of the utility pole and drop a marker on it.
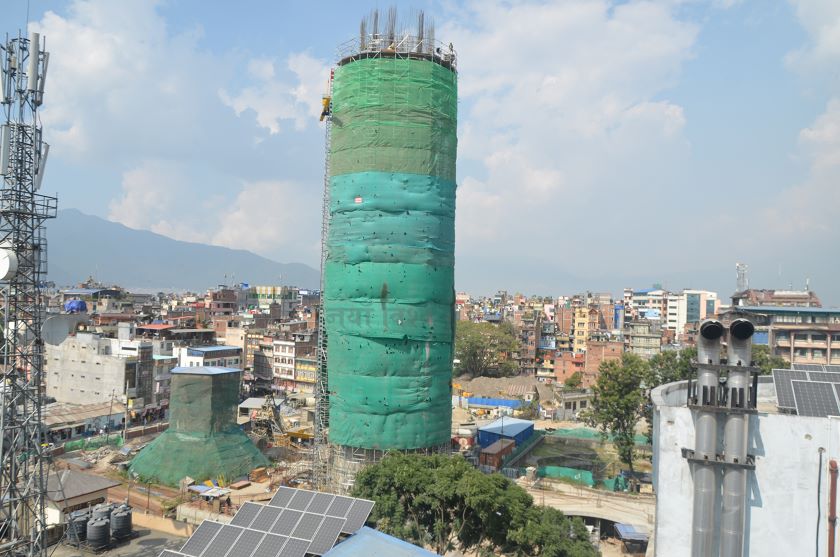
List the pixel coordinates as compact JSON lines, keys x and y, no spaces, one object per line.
{"x":125,"y":413}
{"x":110,"y":413}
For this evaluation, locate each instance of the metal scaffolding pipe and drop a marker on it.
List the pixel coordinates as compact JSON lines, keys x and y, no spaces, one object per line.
{"x":705,"y":443}
{"x":735,"y":437}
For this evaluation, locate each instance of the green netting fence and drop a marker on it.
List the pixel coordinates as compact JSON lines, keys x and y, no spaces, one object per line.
{"x":389,"y":276}
{"x":93,"y":443}
{"x":591,"y":435}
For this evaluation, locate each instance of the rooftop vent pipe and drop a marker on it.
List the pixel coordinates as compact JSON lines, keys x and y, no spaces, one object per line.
{"x":705,"y":443}
{"x":735,"y":437}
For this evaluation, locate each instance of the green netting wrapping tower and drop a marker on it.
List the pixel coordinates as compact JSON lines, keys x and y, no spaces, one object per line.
{"x":389,"y":265}
{"x":203,"y":440}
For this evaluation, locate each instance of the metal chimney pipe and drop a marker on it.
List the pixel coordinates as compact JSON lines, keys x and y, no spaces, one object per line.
{"x":735,"y":437}
{"x":705,"y":441}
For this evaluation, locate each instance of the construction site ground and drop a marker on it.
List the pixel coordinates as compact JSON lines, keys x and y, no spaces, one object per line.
{"x":148,"y":543}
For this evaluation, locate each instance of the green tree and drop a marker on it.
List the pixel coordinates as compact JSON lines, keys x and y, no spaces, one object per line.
{"x":443,"y":502}
{"x":574,"y":381}
{"x":670,"y":366}
{"x":485,"y":349}
{"x":618,"y":402}
{"x":766,"y":360}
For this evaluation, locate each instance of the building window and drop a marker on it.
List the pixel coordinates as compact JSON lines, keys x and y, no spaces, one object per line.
{"x":818,"y":337}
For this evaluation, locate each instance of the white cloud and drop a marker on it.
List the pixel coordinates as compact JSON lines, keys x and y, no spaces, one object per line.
{"x":563,"y":118}
{"x":275,"y":100}
{"x":271,"y":213}
{"x":138,"y":98}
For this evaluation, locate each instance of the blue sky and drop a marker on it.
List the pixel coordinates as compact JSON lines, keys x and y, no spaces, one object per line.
{"x":601,"y":144}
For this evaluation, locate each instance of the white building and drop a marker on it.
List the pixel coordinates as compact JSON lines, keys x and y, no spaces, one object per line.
{"x":283,"y":364}
{"x":689,"y":306}
{"x":787,"y":493}
{"x":210,"y":356}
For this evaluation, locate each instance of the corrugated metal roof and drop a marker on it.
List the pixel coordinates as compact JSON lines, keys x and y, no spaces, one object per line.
{"x":68,"y":484}
{"x":66,"y":414}
{"x":368,"y":542}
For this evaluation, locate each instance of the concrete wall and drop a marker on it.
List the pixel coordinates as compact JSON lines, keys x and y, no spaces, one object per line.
{"x":783,"y":497}
{"x":77,"y":373}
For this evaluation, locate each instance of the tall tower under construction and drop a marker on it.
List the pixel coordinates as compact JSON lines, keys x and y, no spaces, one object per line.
{"x":388,"y":266}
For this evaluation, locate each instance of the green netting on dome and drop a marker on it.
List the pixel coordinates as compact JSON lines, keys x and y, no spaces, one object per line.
{"x":203,"y":441}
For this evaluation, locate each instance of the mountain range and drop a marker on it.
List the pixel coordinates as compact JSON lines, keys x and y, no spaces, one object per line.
{"x":82,"y":246}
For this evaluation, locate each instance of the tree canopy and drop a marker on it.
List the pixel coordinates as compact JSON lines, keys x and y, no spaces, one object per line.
{"x":443,"y":502}
{"x":618,"y":402}
{"x":484,"y":349}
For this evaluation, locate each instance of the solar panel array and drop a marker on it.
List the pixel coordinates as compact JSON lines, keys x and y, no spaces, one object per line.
{"x":808,"y":389}
{"x":816,"y":367}
{"x":296,"y":522}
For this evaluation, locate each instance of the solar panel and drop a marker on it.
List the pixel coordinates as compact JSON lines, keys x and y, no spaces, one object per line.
{"x":170,"y":553}
{"x":784,"y":390}
{"x":832,"y":369}
{"x":824,"y":376}
{"x":246,"y":514}
{"x":300,"y":500}
{"x":307,"y":526}
{"x":340,"y":506}
{"x":247,"y":542}
{"x":282,"y":497}
{"x":271,"y":546}
{"x":265,"y":520}
{"x":816,"y":399}
{"x":320,"y":503}
{"x":201,"y":538}
{"x":807,"y":367}
{"x":287,"y":522}
{"x":223,"y":541}
{"x":294,"y":548}
{"x":357,"y":516}
{"x":327,"y":535}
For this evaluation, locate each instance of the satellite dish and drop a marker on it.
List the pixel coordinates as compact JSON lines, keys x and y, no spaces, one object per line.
{"x":8,"y":263}
{"x":57,"y":328}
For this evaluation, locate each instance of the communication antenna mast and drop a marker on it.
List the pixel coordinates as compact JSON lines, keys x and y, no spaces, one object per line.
{"x":743,"y":281}
{"x":23,"y":264}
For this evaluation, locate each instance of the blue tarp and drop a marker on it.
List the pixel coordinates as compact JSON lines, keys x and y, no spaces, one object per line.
{"x":368,"y":542}
{"x":494,"y":402}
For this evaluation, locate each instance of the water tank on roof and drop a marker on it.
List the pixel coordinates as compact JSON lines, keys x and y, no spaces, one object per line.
{"x":121,"y":522}
{"x":98,"y":533}
{"x":102,"y":510}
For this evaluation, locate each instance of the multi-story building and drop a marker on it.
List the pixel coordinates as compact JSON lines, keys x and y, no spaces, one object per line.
{"x":210,"y":356}
{"x":88,"y":368}
{"x":283,"y":365}
{"x":643,"y":338}
{"x":800,"y":335}
{"x":580,"y":329}
{"x":776,"y":298}
{"x":529,"y":332}
{"x":567,"y":364}
{"x":646,"y":302}
{"x":689,"y":306}
{"x":306,"y":368}
{"x":600,"y":349}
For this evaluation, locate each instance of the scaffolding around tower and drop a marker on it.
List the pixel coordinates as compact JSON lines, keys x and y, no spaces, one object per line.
{"x":387,"y":311}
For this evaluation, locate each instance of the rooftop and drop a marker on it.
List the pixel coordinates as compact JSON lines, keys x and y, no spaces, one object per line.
{"x":507,"y":426}
{"x":213,"y":348}
{"x":368,"y":542}
{"x":204,"y":370}
{"x":68,"y":484}
{"x":65,"y":413}
{"x":786,"y":309}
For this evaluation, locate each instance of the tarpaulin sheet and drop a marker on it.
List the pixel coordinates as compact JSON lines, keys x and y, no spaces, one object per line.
{"x":389,"y":275}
